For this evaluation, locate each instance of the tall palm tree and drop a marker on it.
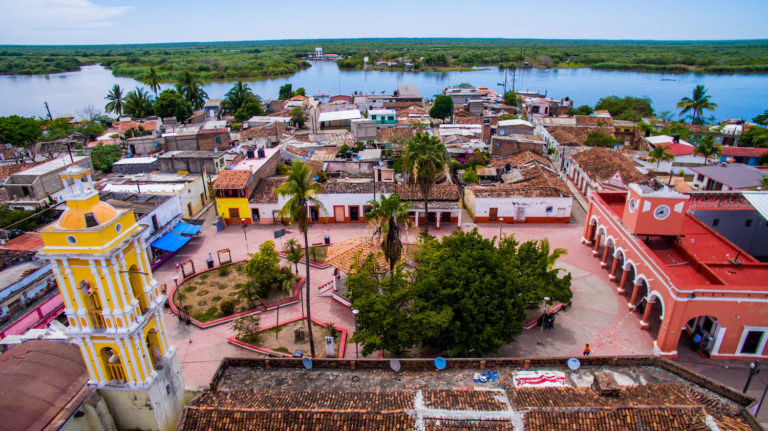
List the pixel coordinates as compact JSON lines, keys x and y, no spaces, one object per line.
{"x":115,"y":100}
{"x":293,"y":254}
{"x":386,"y":215}
{"x":424,"y":158}
{"x":138,"y":104}
{"x":659,"y":154}
{"x":151,"y":79}
{"x":191,"y":89}
{"x":551,"y":257}
{"x":301,"y":189}
{"x":708,"y":148}
{"x":238,"y":95}
{"x":697,"y":104}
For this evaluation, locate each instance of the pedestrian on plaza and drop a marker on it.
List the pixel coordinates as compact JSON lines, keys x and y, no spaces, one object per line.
{"x":586,"y":350}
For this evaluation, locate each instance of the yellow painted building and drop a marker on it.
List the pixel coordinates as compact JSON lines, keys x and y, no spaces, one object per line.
{"x":233,"y":189}
{"x":112,"y":302}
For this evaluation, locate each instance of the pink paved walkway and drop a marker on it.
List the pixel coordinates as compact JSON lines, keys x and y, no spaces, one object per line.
{"x":598,"y":315}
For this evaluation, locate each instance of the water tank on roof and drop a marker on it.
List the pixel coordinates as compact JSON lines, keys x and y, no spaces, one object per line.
{"x":249,"y":154}
{"x":261,"y":153}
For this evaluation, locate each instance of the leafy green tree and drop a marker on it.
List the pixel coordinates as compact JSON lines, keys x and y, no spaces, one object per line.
{"x":581,"y":110}
{"x":764,"y":182}
{"x":425,"y":157}
{"x":600,"y":139}
{"x":343,"y":150}
{"x":251,"y":107}
{"x":391,"y":316}
{"x":763,"y":160}
{"x":115,"y":100}
{"x":104,"y":156}
{"x":470,"y":176}
{"x":263,"y":268}
{"x":300,"y":92}
{"x":138,"y":104}
{"x":26,"y":220}
{"x":511,"y":98}
{"x":627,"y":108}
{"x":298,"y":117}
{"x":659,"y":154}
{"x":442,"y":108}
{"x":676,"y":128}
{"x":172,"y":104}
{"x":697,"y":104}
{"x":708,"y":148}
{"x":151,"y":79}
{"x":486,"y":287}
{"x":753,"y":136}
{"x":762,"y":118}
{"x":285,"y":92}
{"x":19,"y":131}
{"x":191,"y":89}
{"x":301,"y":190}
{"x":386,"y":215}
{"x":293,"y":253}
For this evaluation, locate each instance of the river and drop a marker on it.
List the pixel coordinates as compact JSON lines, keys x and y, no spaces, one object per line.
{"x":737,"y":96}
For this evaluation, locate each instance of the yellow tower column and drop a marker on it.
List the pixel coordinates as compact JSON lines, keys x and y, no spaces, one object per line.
{"x":113,"y":306}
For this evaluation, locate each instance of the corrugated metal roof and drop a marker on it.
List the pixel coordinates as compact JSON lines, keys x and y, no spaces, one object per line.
{"x":759,"y":200}
{"x":339,"y":115}
{"x":735,"y":176}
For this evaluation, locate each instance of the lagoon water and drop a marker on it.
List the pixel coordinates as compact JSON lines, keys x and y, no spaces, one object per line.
{"x":737,"y":96}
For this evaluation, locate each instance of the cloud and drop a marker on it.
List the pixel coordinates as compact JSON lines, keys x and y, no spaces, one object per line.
{"x":24,"y":21}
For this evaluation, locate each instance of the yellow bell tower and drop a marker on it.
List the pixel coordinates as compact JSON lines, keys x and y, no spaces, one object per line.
{"x":114,"y":306}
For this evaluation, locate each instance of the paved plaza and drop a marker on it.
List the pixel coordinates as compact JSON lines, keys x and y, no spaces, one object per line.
{"x":598,"y":315}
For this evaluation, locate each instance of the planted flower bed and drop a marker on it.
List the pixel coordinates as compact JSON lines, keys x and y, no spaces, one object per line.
{"x":281,"y":341}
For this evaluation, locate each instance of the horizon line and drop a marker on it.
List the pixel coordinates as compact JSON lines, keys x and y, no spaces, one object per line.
{"x":394,"y":38}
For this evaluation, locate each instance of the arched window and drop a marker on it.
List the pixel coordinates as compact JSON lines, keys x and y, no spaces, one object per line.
{"x":113,"y":365}
{"x":93,"y":303}
{"x":155,"y":349}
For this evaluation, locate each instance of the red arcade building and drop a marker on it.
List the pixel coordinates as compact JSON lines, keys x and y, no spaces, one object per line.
{"x":694,"y":288}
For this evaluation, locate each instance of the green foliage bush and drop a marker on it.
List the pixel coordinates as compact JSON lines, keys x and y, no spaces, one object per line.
{"x":228,"y":307}
{"x":223,"y":271}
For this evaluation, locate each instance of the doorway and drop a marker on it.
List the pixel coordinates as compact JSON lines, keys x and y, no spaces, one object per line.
{"x":314,"y":214}
{"x":255,"y":215}
{"x":493,"y":214}
{"x":520,"y":214}
{"x":354,"y":213}
{"x":338,"y":214}
{"x":234,"y":215}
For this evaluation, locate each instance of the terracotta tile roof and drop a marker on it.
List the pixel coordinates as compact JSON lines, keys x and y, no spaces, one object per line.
{"x":744,"y":151}
{"x":464,"y":117}
{"x":343,"y":255}
{"x":463,"y":400}
{"x":247,"y":399}
{"x":545,"y":185}
{"x":438,"y":192}
{"x":656,"y":419}
{"x":468,"y":424}
{"x":125,"y":126}
{"x":263,"y":131}
{"x":265,"y":190}
{"x":593,"y":121}
{"x":574,"y":135}
{"x":661,"y":395}
{"x":232,"y":179}
{"x":205,"y":419}
{"x":681,"y":185}
{"x":8,"y":170}
{"x":518,"y":159}
{"x":212,"y":131}
{"x":400,"y":133}
{"x":602,"y":163}
{"x":296,"y":151}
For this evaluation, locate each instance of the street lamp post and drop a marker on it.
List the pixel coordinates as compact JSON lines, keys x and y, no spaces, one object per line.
{"x":753,"y":369}
{"x":242,"y":221}
{"x":355,"y":312}
{"x":501,"y":223}
{"x":543,"y":318}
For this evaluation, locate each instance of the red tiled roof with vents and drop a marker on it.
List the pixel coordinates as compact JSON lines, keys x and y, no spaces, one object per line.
{"x":601,"y":164}
{"x":232,"y":179}
{"x":676,"y":148}
{"x":744,"y":151}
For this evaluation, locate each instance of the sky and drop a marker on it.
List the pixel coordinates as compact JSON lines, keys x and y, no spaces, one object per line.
{"x":94,"y":22}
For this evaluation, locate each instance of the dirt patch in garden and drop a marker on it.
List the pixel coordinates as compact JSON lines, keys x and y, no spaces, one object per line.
{"x":284,"y":343}
{"x":204,"y":294}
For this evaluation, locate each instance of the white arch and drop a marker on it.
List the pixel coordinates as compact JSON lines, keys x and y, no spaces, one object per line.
{"x":617,"y":251}
{"x":629,"y":263}
{"x":657,"y":295}
{"x":599,"y":228}
{"x":593,"y":221}
{"x":609,"y":238}
{"x":639,"y":277}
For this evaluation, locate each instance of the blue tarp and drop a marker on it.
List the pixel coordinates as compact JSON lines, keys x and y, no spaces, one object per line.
{"x":171,"y":242}
{"x":187,"y":229}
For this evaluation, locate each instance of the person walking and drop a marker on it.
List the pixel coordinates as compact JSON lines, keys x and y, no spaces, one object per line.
{"x":586,"y":350}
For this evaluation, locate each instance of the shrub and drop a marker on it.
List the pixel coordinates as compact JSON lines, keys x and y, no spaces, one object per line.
{"x":216,"y":299}
{"x":223,"y":271}
{"x":333,"y":331}
{"x":189,"y":289}
{"x":247,"y":328}
{"x":204,"y":277}
{"x":228,"y":307}
{"x":202,"y":302}
{"x":202,"y":292}
{"x":282,"y":349}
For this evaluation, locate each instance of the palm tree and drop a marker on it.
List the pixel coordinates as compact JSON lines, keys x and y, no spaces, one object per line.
{"x":707,"y":148}
{"x":238,"y":95}
{"x":764,"y":182}
{"x":191,"y":89}
{"x":551,"y":257}
{"x":424,"y":159}
{"x":659,"y":154}
{"x":152,"y":80}
{"x":115,"y":98}
{"x":138,"y":104}
{"x":697,"y":104}
{"x":293,"y":254}
{"x":301,"y":189}
{"x":386,"y":215}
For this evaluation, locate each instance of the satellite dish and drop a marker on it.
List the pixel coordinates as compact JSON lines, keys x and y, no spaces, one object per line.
{"x":439,"y":363}
{"x":395,"y":365}
{"x":573,"y":364}
{"x":307,"y":363}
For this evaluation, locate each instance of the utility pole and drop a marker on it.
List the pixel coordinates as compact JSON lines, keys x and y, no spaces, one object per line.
{"x":50,"y":117}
